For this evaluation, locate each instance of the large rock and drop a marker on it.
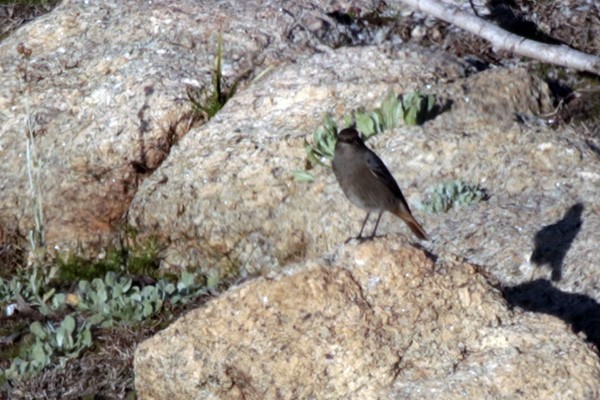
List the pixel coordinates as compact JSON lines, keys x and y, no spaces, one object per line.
{"x":226,"y":195}
{"x":99,"y":83}
{"x":376,"y":320}
{"x":103,"y":83}
{"x":226,"y":198}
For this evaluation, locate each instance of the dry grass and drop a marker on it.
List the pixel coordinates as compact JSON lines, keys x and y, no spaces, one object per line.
{"x":105,"y":372}
{"x":14,"y":13}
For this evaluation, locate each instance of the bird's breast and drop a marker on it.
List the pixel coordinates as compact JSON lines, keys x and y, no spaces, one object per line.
{"x":359,"y":184}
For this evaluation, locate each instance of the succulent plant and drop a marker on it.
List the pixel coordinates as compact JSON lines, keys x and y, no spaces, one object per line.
{"x":65,"y":340}
{"x":412,"y":109}
{"x":320,"y":150}
{"x":103,"y":302}
{"x":443,"y":197}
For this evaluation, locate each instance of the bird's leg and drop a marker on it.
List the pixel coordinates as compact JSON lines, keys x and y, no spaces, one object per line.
{"x":359,"y":237}
{"x":363,"y":226}
{"x":376,"y":224}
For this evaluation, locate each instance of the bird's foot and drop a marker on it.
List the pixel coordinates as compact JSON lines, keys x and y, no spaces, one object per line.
{"x":350,"y":238}
{"x":359,"y":239}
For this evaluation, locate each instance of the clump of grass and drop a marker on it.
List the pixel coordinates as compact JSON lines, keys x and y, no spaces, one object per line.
{"x":37,"y":240}
{"x":207,"y":103}
{"x":410,"y":109}
{"x":445,"y":196}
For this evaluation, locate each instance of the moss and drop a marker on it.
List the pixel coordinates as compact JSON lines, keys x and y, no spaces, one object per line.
{"x":144,"y":259}
{"x":73,"y":268}
{"x":128,"y":258}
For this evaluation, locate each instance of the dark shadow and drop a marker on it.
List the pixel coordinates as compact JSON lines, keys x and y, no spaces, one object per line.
{"x":507,"y":15}
{"x":440,"y":107}
{"x":580,"y":311}
{"x":342,"y":17}
{"x":559,"y":90}
{"x":582,"y":107}
{"x":477,"y":63}
{"x":433,"y":257}
{"x":553,"y":241}
{"x":592,"y":146}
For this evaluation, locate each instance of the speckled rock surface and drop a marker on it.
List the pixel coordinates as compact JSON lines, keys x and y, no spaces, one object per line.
{"x":227,"y":194}
{"x":376,"y":320}
{"x":103,"y":85}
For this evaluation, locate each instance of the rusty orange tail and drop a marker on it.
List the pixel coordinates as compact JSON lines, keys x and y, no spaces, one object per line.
{"x":412,"y":223}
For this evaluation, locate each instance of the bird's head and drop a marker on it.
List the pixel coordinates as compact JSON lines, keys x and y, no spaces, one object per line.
{"x":350,"y":136}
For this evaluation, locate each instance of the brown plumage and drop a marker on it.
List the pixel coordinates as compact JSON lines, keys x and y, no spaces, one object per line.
{"x":367,"y":183}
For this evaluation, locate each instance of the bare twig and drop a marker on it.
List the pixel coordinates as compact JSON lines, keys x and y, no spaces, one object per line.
{"x":502,"y":39}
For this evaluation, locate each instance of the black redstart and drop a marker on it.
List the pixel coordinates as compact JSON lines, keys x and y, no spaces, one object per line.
{"x":367,"y":183}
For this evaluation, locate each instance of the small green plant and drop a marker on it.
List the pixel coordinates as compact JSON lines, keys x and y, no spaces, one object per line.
{"x":417,"y":108}
{"x":455,"y":193}
{"x":32,"y":289}
{"x":101,"y":303}
{"x":412,"y":109}
{"x":115,"y":299}
{"x":207,"y":103}
{"x":320,"y":150}
{"x":11,"y":289}
{"x":302,"y":175}
{"x":42,"y":296}
{"x":66,"y":339}
{"x":368,"y":124}
{"x":186,"y":289}
{"x":109,"y":300}
{"x":391,"y":111}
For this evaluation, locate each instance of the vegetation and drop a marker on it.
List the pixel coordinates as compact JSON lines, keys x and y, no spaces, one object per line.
{"x":68,"y":306}
{"x":451,"y":194}
{"x":58,"y":308}
{"x":206,"y":103}
{"x":411,"y":109}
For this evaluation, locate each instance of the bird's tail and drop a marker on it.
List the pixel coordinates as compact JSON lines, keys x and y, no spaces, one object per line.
{"x":412,"y":223}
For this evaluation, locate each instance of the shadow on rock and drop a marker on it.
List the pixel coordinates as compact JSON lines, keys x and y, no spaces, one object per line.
{"x":580,"y":311}
{"x":508,"y":15}
{"x":553,"y":241}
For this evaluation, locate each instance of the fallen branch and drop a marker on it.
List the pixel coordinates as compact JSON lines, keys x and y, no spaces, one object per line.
{"x":504,"y":40}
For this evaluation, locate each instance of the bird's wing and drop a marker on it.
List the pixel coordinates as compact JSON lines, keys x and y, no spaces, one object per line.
{"x":380,"y":171}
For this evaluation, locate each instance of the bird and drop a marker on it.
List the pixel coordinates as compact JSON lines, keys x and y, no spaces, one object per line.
{"x":368,"y":184}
